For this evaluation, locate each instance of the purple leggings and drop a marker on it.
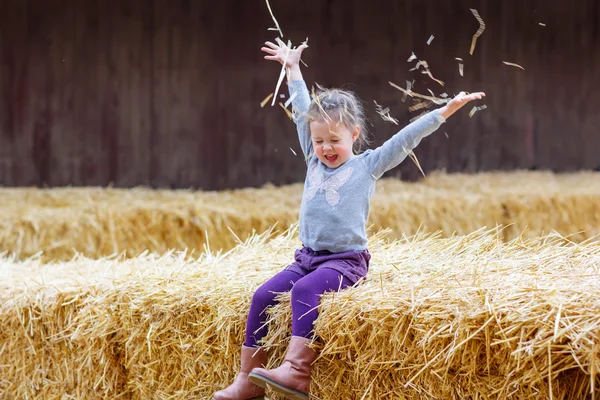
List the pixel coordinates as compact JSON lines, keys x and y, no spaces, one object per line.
{"x":306,"y":293}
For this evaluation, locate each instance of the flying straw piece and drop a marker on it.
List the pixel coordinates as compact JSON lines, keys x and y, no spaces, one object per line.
{"x":385,"y":113}
{"x":266,"y":100}
{"x":430,"y":40}
{"x":458,"y":58}
{"x":418,"y":116}
{"x":436,"y":100}
{"x":408,"y":88}
{"x":283,"y":69}
{"x":541,"y":24}
{"x":420,"y":105}
{"x":412,"y":57}
{"x":460,"y":69}
{"x":289,"y":114}
{"x":479,"y":31}
{"x":472,"y":112}
{"x":272,"y":16}
{"x":415,"y":160}
{"x":292,"y":97}
{"x":293,"y":151}
{"x":475,"y":109}
{"x":513,"y":64}
{"x":426,"y":66}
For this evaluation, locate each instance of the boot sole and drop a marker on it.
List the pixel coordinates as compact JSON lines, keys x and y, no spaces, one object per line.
{"x":267,"y":383}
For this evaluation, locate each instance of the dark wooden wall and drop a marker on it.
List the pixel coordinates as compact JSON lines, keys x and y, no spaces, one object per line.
{"x":166,"y":92}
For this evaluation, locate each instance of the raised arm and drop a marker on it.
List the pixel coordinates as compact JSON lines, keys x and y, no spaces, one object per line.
{"x":297,"y":88}
{"x":395,"y":150}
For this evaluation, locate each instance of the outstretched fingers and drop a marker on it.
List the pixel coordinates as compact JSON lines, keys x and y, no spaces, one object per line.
{"x":272,"y":45}
{"x":268,"y":50}
{"x":475,"y":96}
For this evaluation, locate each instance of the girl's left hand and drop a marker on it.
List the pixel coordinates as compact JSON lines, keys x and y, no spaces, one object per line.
{"x":462,"y":98}
{"x":458,"y":102}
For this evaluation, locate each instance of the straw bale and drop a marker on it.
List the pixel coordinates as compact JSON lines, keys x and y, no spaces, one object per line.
{"x":466,"y":317}
{"x":409,"y":208}
{"x":438,"y":318}
{"x":47,"y":351}
{"x":101,"y":222}
{"x":98,"y":222}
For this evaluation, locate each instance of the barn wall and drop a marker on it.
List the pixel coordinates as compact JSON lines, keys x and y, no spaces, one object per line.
{"x":167,"y":93}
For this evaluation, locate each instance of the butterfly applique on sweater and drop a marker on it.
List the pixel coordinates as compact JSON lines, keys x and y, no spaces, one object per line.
{"x":330,"y":185}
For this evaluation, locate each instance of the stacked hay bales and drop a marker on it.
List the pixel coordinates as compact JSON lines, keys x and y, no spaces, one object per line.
{"x":534,"y":203}
{"x":461,"y":317}
{"x":99,"y":222}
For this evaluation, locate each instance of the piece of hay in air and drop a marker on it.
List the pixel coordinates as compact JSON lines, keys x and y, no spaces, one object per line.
{"x":479,"y":31}
{"x":420,"y":105}
{"x":436,"y":100}
{"x":283,"y":68}
{"x":412,"y":57}
{"x":266,"y":100}
{"x":413,"y":157}
{"x":274,"y":20}
{"x":428,"y":72}
{"x":418,"y":116}
{"x":385,"y":113}
{"x":288,"y":112}
{"x":475,"y":109}
{"x":460,"y":69}
{"x":513,"y":65}
{"x":430,"y":40}
{"x":289,"y":101}
{"x":408,"y":88}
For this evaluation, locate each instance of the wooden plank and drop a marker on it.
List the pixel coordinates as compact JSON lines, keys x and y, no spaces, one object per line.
{"x":185,"y":73}
{"x":159,"y":93}
{"x":567,"y":88}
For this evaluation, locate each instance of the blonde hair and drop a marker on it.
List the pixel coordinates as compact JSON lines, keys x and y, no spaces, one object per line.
{"x":340,"y":106}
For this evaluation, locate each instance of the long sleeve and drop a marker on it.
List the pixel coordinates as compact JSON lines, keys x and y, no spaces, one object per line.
{"x":395,"y":150}
{"x":300,"y":105}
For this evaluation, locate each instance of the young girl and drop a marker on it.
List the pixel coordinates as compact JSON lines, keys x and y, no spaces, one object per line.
{"x":333,"y":216}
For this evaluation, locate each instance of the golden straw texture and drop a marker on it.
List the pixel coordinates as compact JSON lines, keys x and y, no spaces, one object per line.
{"x":438,"y":318}
{"x":100,"y":222}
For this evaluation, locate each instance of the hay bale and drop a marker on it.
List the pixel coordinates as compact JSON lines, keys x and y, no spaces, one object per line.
{"x":99,"y":222}
{"x":96,"y":223}
{"x":410,"y":208}
{"x":462,"y":317}
{"x":465,"y":317}
{"x":57,"y":338}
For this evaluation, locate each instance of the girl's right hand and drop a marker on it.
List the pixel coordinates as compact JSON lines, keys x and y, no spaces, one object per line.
{"x":279,"y":51}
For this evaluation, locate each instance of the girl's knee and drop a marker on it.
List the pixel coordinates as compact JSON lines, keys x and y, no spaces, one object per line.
{"x":302,"y":288}
{"x":263,"y":296}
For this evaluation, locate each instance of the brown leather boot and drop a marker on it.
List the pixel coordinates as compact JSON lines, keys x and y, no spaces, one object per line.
{"x":292,"y":378}
{"x":242,"y":388}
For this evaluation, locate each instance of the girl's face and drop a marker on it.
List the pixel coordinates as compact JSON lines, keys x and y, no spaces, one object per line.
{"x":332,"y":142}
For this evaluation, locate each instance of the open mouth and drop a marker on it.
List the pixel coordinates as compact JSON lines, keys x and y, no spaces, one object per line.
{"x":331,"y":158}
